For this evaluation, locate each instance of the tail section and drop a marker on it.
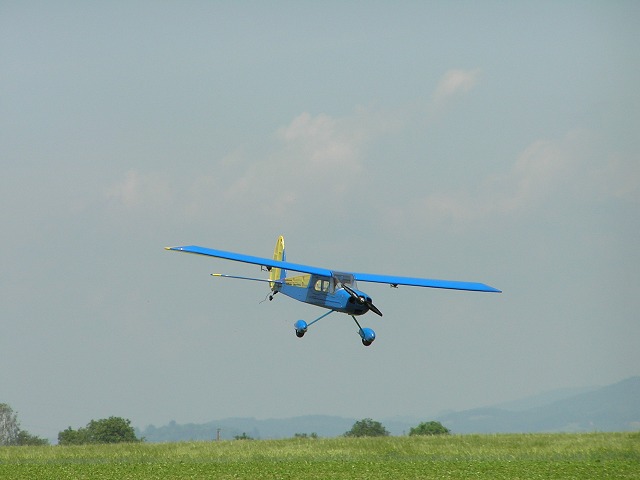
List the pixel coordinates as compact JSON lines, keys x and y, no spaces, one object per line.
{"x":278,"y":254}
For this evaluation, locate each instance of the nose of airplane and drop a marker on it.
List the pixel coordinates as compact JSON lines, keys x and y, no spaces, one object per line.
{"x":363,"y":299}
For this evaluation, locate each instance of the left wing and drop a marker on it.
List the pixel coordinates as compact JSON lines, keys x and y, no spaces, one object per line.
{"x":424,"y":282}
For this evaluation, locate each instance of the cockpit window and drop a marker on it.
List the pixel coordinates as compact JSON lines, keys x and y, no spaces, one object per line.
{"x":344,"y":279}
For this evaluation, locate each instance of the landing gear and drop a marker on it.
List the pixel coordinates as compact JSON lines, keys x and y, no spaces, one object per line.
{"x":367,"y":335}
{"x":301,"y":326}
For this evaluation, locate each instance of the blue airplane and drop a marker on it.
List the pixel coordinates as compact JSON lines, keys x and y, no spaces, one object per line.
{"x":331,"y":289}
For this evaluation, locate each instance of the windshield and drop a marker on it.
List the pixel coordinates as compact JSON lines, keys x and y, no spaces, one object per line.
{"x":344,"y":279}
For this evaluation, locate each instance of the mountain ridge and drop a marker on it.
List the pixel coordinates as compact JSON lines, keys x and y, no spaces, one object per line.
{"x":613,"y":407}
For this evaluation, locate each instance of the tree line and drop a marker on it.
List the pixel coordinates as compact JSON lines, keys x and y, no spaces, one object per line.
{"x":107,"y":430}
{"x":117,"y":430}
{"x":368,"y":427}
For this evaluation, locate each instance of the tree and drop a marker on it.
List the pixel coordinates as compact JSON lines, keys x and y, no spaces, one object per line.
{"x":106,"y":430}
{"x":73,"y":437}
{"x":10,"y":431}
{"x":367,"y":428}
{"x":429,"y":428}
{"x":112,"y":430}
{"x":9,"y":426}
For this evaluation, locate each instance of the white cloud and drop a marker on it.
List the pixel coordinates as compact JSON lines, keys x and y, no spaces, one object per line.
{"x":316,"y":160}
{"x":547,"y":174}
{"x":137,"y":189}
{"x":319,"y":164}
{"x":322,"y":142}
{"x":455,"y":82}
{"x":619,"y":177}
{"x":314,"y":164}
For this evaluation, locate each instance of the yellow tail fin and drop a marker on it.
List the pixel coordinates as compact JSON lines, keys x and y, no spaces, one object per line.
{"x":278,"y":254}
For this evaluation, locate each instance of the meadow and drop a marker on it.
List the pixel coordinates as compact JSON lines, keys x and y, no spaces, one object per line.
{"x":535,"y":456}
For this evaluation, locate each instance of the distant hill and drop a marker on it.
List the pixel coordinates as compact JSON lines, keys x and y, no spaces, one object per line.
{"x":543,"y":399}
{"x":322,"y":425}
{"x":612,"y":408}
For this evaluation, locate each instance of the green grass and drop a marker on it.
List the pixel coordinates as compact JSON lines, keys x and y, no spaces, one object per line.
{"x":589,"y":456}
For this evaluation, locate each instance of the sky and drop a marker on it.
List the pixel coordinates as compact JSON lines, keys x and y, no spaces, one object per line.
{"x":494,"y":142}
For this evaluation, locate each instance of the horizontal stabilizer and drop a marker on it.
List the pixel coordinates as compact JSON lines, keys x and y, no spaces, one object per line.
{"x":245,"y":278}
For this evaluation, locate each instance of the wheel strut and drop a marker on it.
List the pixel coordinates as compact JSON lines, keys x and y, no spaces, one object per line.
{"x":301,"y":326}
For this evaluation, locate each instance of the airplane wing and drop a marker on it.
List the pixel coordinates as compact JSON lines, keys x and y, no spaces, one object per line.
{"x":363,"y":277}
{"x":424,"y":282}
{"x":265,"y":262}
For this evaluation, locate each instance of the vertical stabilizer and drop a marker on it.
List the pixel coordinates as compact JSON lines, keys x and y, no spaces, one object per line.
{"x":278,"y":254}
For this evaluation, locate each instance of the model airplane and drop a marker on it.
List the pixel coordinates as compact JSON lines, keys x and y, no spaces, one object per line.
{"x":336,"y":291}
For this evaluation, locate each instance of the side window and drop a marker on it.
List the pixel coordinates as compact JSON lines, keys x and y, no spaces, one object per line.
{"x":321,"y":286}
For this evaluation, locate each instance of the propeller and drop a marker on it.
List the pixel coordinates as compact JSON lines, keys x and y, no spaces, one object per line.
{"x":362,"y":300}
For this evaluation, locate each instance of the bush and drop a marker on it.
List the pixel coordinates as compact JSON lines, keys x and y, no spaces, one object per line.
{"x":107,"y":430}
{"x":429,"y":428}
{"x":367,"y":428}
{"x":25,"y":438}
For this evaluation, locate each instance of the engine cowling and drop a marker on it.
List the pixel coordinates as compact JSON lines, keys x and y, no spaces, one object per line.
{"x":368,"y":336}
{"x":301,"y":328}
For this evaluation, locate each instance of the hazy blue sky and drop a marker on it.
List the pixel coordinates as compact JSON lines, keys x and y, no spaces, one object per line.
{"x":496,"y":142}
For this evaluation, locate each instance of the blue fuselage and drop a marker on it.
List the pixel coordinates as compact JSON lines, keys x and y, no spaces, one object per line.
{"x":325,"y":292}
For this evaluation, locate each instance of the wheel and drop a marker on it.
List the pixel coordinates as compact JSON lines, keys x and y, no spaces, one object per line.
{"x":301,"y":328}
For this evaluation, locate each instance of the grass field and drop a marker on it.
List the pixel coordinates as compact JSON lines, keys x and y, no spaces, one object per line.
{"x":537,"y":456}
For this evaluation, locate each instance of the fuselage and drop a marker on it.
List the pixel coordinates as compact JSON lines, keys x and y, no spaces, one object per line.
{"x":325,"y":292}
